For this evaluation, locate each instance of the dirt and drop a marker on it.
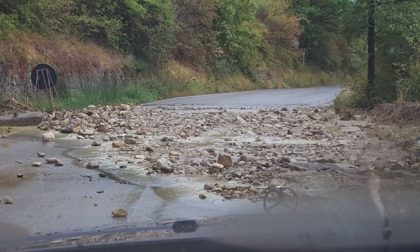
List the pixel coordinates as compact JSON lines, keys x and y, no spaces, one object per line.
{"x":11,"y":106}
{"x":302,"y":147}
{"x":397,"y":113}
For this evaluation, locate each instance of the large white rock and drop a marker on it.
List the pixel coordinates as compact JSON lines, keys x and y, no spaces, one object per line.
{"x":48,"y":137}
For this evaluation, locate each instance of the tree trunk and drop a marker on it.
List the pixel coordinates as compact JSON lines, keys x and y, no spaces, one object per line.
{"x":371,"y":52}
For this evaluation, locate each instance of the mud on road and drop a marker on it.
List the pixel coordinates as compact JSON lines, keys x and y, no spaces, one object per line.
{"x":246,"y":151}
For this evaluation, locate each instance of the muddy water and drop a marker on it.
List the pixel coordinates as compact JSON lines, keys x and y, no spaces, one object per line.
{"x":53,"y":200}
{"x":169,"y":197}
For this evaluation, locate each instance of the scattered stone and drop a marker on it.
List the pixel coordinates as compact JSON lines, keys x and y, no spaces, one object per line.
{"x":167,"y":139}
{"x":20,"y":175}
{"x":140,"y":157}
{"x":101,"y":175}
{"x":66,"y":130}
{"x":130,"y":141}
{"x":314,"y":116}
{"x":96,"y":144}
{"x":202,"y":196}
{"x":125,"y":107}
{"x":41,"y":154}
{"x":163,"y":165}
{"x":141,"y":132}
{"x":149,"y":149}
{"x":48,"y":137}
{"x":174,"y":153}
{"x":123,"y":166}
{"x":8,"y":201}
{"x":285,"y":160}
{"x":120,"y":213}
{"x":215,"y":168}
{"x":224,"y":160}
{"x":208,"y":187}
{"x":51,"y":160}
{"x":106,"y":138}
{"x":19,"y":161}
{"x":100,"y":191}
{"x":325,"y":161}
{"x":36,"y":164}
{"x":58,"y":162}
{"x":92,"y":165}
{"x":44,"y":125}
{"x":117,"y":144}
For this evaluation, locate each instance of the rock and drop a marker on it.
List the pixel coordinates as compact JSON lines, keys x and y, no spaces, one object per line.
{"x":41,"y":154}
{"x":314,"y":116}
{"x":149,"y":149}
{"x":117,"y":144}
{"x":58,"y":162}
{"x":167,"y":139}
{"x":140,"y":157}
{"x":396,"y":166}
{"x":284,"y":109}
{"x":224,"y":160}
{"x":96,"y":144}
{"x":87,"y":132}
{"x":174,"y":153}
{"x":141,"y":132}
{"x":100,"y":191}
{"x":130,"y":141}
{"x":103,"y":128}
{"x":36,"y":164}
{"x":51,"y":160}
{"x":101,"y":175}
{"x":120,"y":213}
{"x":202,"y":196}
{"x":215,"y":168}
{"x":80,"y":137}
{"x":19,"y":161}
{"x":44,"y":125}
{"x":325,"y":161}
{"x":48,"y":137}
{"x":8,"y":201}
{"x":106,"y":138}
{"x":92,"y":165}
{"x":123,"y":166}
{"x":20,"y":175}
{"x":164,"y":165}
{"x":208,"y":187}
{"x":285,"y":160}
{"x":236,"y":174}
{"x":91,"y":107}
{"x":125,"y":107}
{"x":67,"y":130}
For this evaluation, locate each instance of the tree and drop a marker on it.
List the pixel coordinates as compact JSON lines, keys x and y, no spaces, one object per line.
{"x":240,"y":36}
{"x":371,"y":51}
{"x":323,"y":29}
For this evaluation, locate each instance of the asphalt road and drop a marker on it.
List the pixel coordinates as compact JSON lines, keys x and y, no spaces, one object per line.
{"x":294,"y":97}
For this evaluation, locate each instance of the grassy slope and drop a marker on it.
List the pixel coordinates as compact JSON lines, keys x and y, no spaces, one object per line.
{"x":68,"y":56}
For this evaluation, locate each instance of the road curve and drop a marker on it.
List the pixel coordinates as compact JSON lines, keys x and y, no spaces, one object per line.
{"x":294,"y":97}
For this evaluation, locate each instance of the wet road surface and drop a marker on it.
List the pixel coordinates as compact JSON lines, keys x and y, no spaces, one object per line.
{"x":294,"y":97}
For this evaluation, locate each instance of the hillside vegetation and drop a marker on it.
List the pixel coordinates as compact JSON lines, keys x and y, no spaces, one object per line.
{"x":141,"y":50}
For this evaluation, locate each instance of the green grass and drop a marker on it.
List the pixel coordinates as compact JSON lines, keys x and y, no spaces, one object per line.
{"x":74,"y":99}
{"x":179,"y":82}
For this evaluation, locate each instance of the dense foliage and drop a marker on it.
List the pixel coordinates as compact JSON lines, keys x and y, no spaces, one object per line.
{"x":224,"y":37}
